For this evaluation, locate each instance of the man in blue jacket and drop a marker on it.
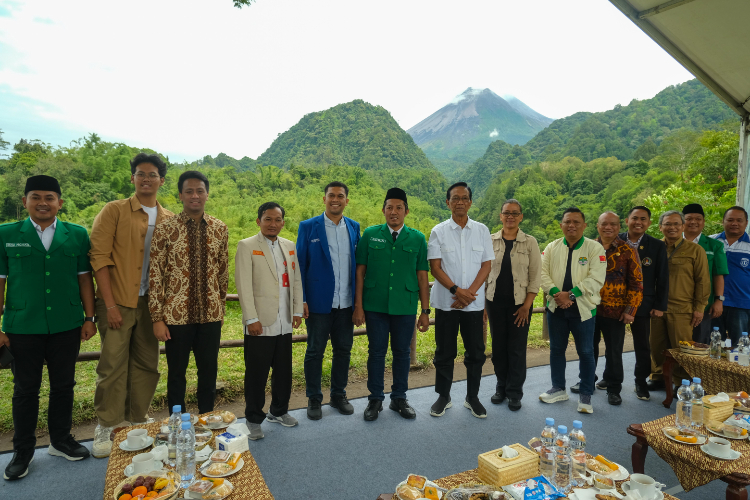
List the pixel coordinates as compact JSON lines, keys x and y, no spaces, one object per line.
{"x":325,"y":250}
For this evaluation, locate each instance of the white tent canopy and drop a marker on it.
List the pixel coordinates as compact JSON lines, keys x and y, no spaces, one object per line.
{"x":711,"y":39}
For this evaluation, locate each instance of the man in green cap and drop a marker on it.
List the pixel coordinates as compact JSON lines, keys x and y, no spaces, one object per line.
{"x":44,"y":262}
{"x":391,"y":279}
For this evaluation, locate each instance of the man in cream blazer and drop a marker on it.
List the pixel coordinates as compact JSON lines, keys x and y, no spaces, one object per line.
{"x":270,"y":290}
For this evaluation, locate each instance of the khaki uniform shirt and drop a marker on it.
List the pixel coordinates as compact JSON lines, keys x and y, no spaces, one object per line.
{"x":689,"y":279}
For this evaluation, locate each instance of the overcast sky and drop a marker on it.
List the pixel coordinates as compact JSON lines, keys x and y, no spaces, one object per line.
{"x":194,"y":77}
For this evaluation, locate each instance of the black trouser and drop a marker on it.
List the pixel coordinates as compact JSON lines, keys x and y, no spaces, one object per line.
{"x":508,"y":347}
{"x":702,"y":332}
{"x":613,"y":331}
{"x":261,"y":355}
{"x":641,"y":329}
{"x":204,"y":340}
{"x":447,"y":326}
{"x":30,"y":351}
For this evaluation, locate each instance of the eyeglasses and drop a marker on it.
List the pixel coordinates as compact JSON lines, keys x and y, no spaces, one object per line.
{"x":672,"y":224}
{"x":464,"y":199}
{"x":510,"y":214}
{"x":572,"y":223}
{"x":142,"y":175}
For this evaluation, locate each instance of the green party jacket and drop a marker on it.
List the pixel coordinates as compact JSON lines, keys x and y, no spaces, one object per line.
{"x":43,"y":294}
{"x":391,"y":285}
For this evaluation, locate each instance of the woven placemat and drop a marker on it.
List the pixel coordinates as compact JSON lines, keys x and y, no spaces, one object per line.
{"x":248,"y":483}
{"x":692,"y":466}
{"x":717,"y":375}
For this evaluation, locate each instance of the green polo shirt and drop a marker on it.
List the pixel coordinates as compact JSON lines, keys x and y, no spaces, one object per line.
{"x":42,"y":293}
{"x":391,"y":285}
{"x":717,"y":261}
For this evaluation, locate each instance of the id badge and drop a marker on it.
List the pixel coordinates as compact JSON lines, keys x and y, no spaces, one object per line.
{"x":285,"y":280}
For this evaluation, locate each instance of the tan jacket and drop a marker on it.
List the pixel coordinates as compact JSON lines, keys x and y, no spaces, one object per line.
{"x":689,"y":277}
{"x":117,"y":240}
{"x":257,"y":282}
{"x":525,"y":260}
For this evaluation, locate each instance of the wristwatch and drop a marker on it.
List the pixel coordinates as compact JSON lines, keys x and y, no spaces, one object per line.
{"x":426,"y":311}
{"x":453,"y":289}
{"x":720,"y":297}
{"x":572,"y":297}
{"x":90,"y":318}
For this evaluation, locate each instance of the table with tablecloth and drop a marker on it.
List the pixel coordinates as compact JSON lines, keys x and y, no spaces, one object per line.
{"x":248,"y":482}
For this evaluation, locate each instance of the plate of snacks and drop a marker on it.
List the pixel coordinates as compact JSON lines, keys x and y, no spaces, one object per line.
{"x":418,"y":487}
{"x":694,"y":348}
{"x":157,"y":484}
{"x":222,"y":464}
{"x":683,"y":436}
{"x":210,"y":489}
{"x":600,"y":466}
{"x":727,"y":430}
{"x":218,"y":420}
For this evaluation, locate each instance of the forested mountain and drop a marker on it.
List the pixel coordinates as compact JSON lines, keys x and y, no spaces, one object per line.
{"x":460,"y":132}
{"x":635,"y":131}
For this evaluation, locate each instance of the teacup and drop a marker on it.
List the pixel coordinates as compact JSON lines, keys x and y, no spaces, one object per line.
{"x":644,"y":485}
{"x":719,"y":446}
{"x":143,"y":463}
{"x":137,"y":438}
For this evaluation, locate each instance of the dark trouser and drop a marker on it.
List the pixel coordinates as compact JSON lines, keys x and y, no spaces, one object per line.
{"x":203,"y":339}
{"x":447,"y":326}
{"x":261,"y":355}
{"x":702,"y":332}
{"x":401,"y":330}
{"x":30,"y":351}
{"x":613,"y":331}
{"x":339,"y":326}
{"x":641,"y":329}
{"x":560,"y":329}
{"x":732,"y":323}
{"x":508,"y":347}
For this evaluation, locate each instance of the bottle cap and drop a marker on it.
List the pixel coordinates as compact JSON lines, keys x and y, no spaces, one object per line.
{"x":550,"y":421}
{"x":185,"y":417}
{"x":185,"y":425}
{"x":696,"y":380}
{"x":176,"y":409}
{"x":685,"y":382}
{"x":561,"y":429}
{"x":716,"y":328}
{"x":744,"y":334}
{"x":577,"y":424}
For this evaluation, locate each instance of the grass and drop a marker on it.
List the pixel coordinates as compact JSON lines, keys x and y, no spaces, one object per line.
{"x":231,"y":370}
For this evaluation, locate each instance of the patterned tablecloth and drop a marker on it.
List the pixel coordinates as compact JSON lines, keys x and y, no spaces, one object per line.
{"x":692,"y":466}
{"x":717,"y":375}
{"x":248,"y":483}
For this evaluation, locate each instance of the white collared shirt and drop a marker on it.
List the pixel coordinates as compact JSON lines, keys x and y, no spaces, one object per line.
{"x":697,"y":238}
{"x":398,"y":231}
{"x":339,"y":247}
{"x":283,"y":323}
{"x":462,"y":252}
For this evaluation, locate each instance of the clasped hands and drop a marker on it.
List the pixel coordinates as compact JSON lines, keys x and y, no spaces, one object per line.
{"x":463,"y":298}
{"x":562,"y":300}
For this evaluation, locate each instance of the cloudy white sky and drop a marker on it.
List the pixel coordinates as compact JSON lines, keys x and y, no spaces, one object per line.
{"x":195,"y":77}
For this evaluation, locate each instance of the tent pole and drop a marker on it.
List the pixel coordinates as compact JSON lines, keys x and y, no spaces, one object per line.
{"x":743,"y":167}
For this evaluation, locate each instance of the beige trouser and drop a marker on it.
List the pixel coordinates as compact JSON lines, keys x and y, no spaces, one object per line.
{"x":128,"y":368}
{"x":666,"y":333}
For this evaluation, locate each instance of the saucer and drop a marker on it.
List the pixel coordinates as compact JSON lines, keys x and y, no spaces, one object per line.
{"x":734,"y":455}
{"x":129,"y":471}
{"x":124,"y":445}
{"x":626,"y":488}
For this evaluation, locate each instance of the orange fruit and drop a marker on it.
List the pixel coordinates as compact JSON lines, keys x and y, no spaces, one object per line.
{"x":151,"y":494}
{"x":140,"y":490}
{"x":125,"y":497}
{"x":743,"y":394}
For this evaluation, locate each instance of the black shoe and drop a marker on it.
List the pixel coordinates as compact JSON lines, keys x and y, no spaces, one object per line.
{"x":313,"y":409}
{"x":641,"y":392}
{"x":498,"y":397}
{"x":601,"y":385}
{"x":476,"y":407}
{"x":19,"y":464}
{"x":575,"y":388}
{"x":613,"y":398}
{"x":374,"y":407}
{"x":69,"y":449}
{"x":514,"y":404}
{"x":342,"y":405}
{"x":438,"y":407}
{"x":655,"y":385}
{"x":403,"y":408}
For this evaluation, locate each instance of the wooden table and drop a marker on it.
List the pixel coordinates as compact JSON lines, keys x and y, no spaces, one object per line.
{"x":736,"y":481}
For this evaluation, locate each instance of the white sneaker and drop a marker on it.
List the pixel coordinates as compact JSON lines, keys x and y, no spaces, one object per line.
{"x":554,"y":395}
{"x":286,"y":420}
{"x":102,"y":446}
{"x":255,"y":431}
{"x":585,"y":407}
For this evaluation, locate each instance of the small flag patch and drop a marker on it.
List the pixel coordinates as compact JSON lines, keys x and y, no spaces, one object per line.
{"x":291,"y":252}
{"x":602,"y":258}
{"x":257,"y":252}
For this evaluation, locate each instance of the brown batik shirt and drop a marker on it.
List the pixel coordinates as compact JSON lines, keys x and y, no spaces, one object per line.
{"x":623,"y":286}
{"x":189,"y":271}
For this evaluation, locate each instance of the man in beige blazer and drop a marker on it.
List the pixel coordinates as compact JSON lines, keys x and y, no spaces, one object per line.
{"x":268,"y":283}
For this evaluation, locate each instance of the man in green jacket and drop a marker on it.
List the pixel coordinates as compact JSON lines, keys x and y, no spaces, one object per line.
{"x":391,"y":279}
{"x":44,"y":262}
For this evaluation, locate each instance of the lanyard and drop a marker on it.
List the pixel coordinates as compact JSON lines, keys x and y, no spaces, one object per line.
{"x":669,"y":257}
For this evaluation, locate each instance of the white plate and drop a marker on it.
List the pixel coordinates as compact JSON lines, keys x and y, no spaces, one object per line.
{"x":222,"y":425}
{"x":701,"y":439}
{"x":616,"y":475}
{"x":198,"y":496}
{"x":733,"y":456}
{"x":129,"y":471}
{"x":626,"y":488}
{"x":240,"y":464}
{"x":124,"y":445}
{"x":590,"y":493}
{"x":721,"y":434}
{"x":440,"y":490}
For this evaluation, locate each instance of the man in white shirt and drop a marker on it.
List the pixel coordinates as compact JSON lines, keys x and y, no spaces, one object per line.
{"x":460,"y":254}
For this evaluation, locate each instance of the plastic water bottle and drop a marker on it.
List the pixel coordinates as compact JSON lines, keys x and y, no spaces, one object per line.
{"x":684,"y":416}
{"x":715,"y":343}
{"x":186,"y":456}
{"x":562,"y":459}
{"x":174,"y":430}
{"x":186,"y":417}
{"x":743,"y":350}
{"x":578,"y":453}
{"x":547,"y":453}
{"x":697,"y":410}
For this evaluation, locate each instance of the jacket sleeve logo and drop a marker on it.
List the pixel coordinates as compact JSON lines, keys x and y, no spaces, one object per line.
{"x":257,"y":252}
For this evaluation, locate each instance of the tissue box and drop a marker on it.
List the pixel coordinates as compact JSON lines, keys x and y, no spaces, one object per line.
{"x":499,"y":472}
{"x":231,"y":442}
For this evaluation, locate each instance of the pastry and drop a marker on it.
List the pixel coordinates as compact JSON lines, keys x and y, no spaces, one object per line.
{"x":406,"y":492}
{"x":227,"y":416}
{"x":416,"y":481}
{"x":218,"y":469}
{"x":599,"y":496}
{"x":597,"y":466}
{"x":234,"y":459}
{"x":672,"y":431}
{"x":218,"y":492}
{"x":430,"y":492}
{"x":613,"y":466}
